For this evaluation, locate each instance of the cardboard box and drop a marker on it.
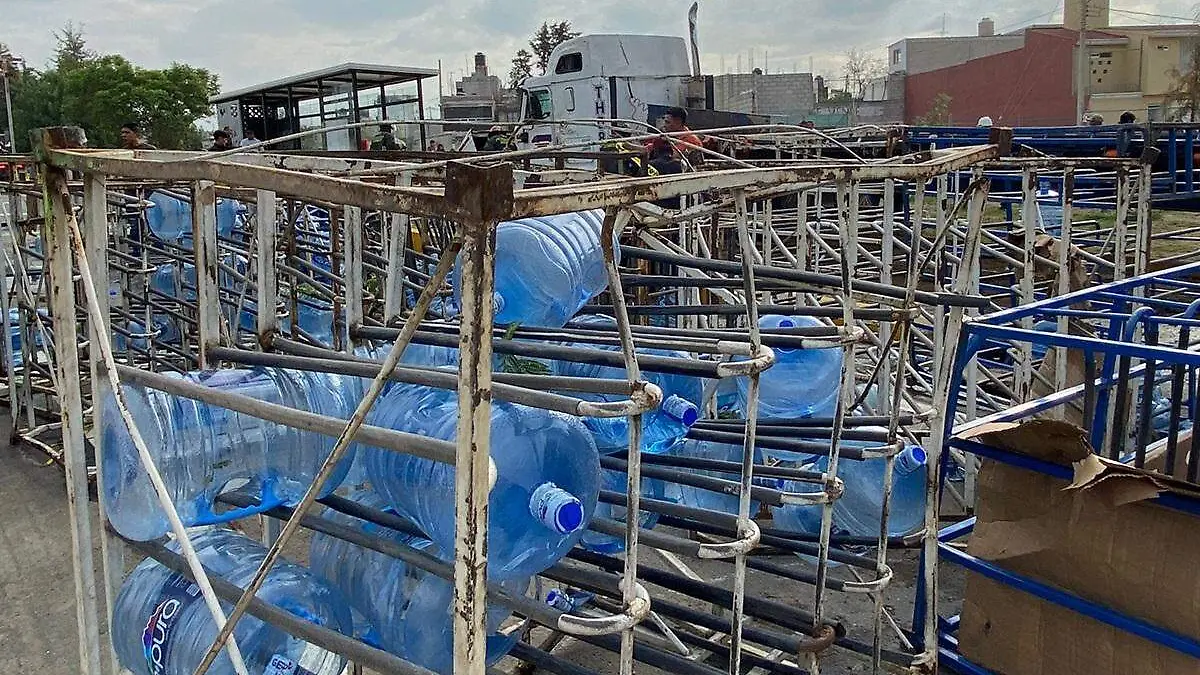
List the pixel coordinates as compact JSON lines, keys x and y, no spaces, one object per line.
{"x":1097,"y":537}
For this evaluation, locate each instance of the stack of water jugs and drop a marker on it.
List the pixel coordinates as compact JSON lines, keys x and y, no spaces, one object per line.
{"x":548,"y":479}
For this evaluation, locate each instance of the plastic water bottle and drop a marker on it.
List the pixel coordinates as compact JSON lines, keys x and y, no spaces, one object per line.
{"x":859,"y":511}
{"x":547,"y":268}
{"x":615,"y":481}
{"x":170,"y":218}
{"x":802,"y":382}
{"x":403,"y":609}
{"x":201,"y":449}
{"x":707,"y":499}
{"x":162,"y":626}
{"x":1050,"y":210}
{"x":546,"y":485}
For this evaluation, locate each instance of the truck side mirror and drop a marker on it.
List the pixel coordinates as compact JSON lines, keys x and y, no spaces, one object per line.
{"x":524,"y":137}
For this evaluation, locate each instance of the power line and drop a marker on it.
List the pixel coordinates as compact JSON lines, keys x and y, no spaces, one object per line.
{"x":1156,"y":16}
{"x":1029,"y":20}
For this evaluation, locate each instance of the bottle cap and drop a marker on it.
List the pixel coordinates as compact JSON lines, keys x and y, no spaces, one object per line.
{"x":556,"y":508}
{"x":912,"y":458}
{"x":559,"y":600}
{"x":681,"y":410}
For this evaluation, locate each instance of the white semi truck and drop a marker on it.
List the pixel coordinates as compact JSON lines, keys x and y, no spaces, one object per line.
{"x":629,"y":77}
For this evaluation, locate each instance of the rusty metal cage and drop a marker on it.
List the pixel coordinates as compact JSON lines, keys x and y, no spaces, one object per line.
{"x":886,"y":252}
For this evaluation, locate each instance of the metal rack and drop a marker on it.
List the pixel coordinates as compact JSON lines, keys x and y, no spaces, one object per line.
{"x":723,"y":257}
{"x":1122,"y":365}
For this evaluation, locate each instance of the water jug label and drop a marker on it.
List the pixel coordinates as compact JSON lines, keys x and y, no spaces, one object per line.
{"x":282,"y":665}
{"x":177,"y":594}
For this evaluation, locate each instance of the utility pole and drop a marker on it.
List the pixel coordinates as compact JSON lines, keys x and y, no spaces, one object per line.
{"x":8,"y":63}
{"x":8,"y":111}
{"x":1083,"y":65}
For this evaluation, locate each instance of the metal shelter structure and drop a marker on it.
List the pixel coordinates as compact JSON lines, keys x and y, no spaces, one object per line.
{"x":349,"y":92}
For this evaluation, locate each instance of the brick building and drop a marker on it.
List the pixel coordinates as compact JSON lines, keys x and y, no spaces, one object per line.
{"x":1028,"y":77}
{"x":787,"y":97}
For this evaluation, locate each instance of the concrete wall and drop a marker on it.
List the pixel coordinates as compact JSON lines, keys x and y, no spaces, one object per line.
{"x":788,"y":95}
{"x":922,"y":55}
{"x":1029,"y":86}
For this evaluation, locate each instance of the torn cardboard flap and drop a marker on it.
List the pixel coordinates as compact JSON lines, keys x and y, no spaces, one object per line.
{"x":1067,"y":445}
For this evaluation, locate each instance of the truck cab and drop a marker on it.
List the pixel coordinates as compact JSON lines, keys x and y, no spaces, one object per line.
{"x":604,"y":77}
{"x":627,"y":77}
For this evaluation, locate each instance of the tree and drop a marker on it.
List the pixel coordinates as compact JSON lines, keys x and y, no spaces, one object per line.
{"x":1183,"y":98}
{"x":939,"y":112}
{"x":860,"y":70}
{"x":522,"y":67}
{"x":102,"y":92}
{"x":549,"y":36}
{"x":72,"y":51}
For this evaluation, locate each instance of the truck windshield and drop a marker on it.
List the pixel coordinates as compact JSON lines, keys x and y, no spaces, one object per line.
{"x":539,"y":105}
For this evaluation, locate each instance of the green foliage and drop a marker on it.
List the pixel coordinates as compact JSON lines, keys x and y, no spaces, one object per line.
{"x":549,"y":36}
{"x":102,"y":92}
{"x":1183,"y":97}
{"x":939,"y":112}
{"x":522,"y":67}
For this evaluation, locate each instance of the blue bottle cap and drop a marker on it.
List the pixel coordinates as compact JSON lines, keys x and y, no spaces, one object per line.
{"x":556,"y":508}
{"x":912,"y":458}
{"x":681,"y":410}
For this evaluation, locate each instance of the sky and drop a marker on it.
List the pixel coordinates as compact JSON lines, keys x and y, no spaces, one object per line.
{"x":246,"y":42}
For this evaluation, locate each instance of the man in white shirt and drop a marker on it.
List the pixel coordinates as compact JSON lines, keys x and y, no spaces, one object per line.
{"x":250,"y":139}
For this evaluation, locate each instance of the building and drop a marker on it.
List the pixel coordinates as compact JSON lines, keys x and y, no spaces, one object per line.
{"x":788,"y":98}
{"x":481,"y":97}
{"x":1028,"y":77}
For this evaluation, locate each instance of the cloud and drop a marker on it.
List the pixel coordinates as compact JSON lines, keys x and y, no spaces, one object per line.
{"x":251,"y":41}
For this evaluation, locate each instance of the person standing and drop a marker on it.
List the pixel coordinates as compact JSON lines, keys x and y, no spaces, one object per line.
{"x":131,"y":137}
{"x":684,"y":144}
{"x":250,"y":139}
{"x":221,"y":141}
{"x":386,"y":139}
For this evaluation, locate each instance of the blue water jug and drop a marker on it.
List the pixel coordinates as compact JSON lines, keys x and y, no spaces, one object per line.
{"x":401,"y":608}
{"x":162,"y":626}
{"x":859,"y":511}
{"x":201,"y":449}
{"x":170,"y":218}
{"x":615,"y":481}
{"x":547,"y":268}
{"x":802,"y":382}
{"x":546,"y":486}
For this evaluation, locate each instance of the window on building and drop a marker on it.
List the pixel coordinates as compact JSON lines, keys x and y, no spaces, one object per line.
{"x":569,"y":63}
{"x":896,"y":54}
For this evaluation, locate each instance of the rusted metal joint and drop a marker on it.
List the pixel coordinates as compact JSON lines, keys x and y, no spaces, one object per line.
{"x":874,"y":586}
{"x":750,"y":536}
{"x":634,"y":613}
{"x":886,"y":450}
{"x":756,"y":363}
{"x":825,"y":637}
{"x":833,"y":489}
{"x":645,"y":397}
